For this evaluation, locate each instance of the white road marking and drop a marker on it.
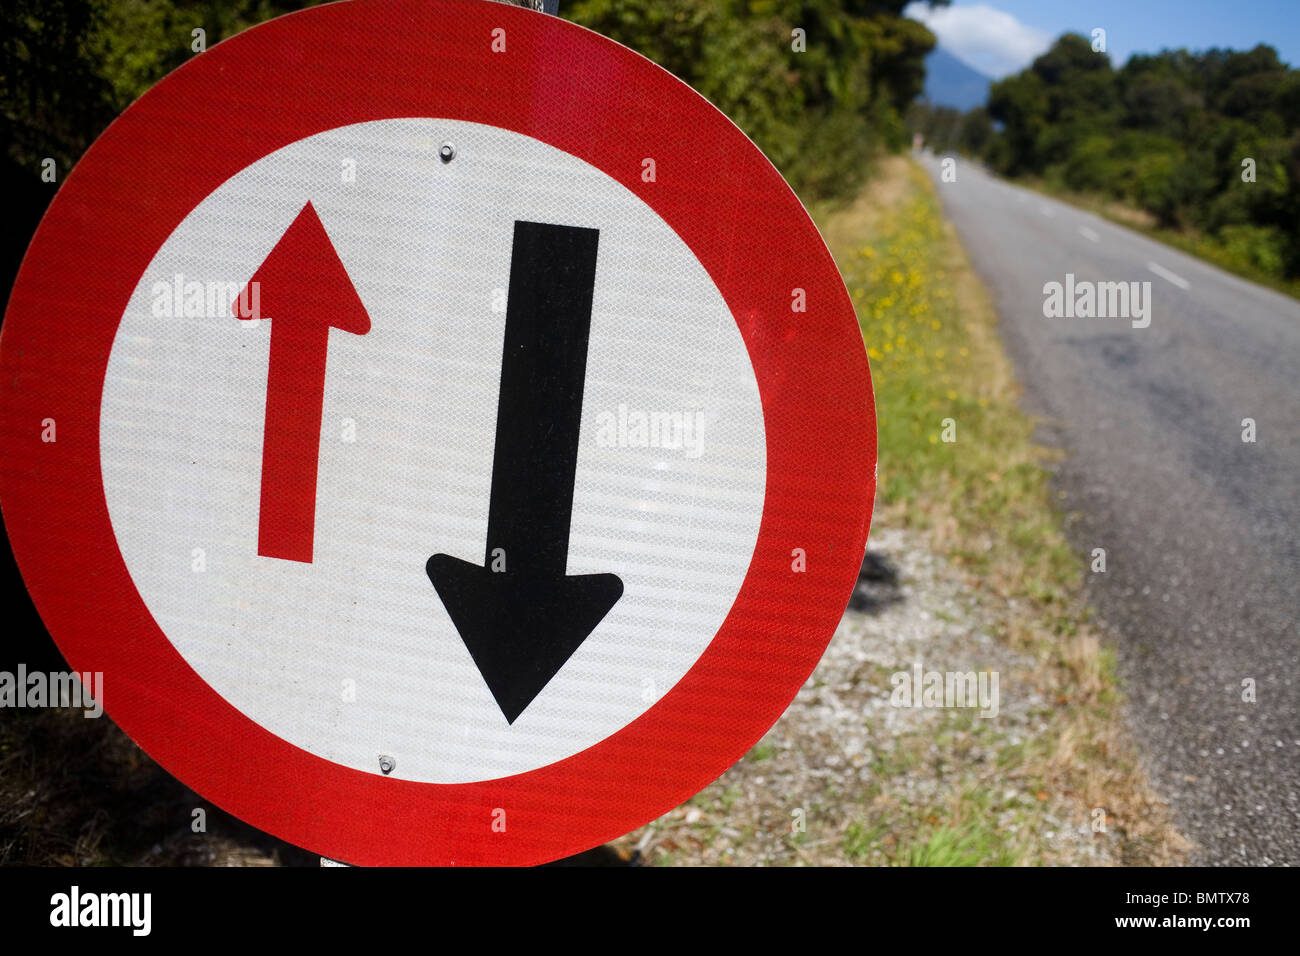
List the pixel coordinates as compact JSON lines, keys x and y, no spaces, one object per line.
{"x":1046,"y":210}
{"x":1173,"y":277}
{"x":1089,"y":234}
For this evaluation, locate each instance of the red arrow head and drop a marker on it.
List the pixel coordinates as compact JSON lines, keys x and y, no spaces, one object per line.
{"x":303,"y":281}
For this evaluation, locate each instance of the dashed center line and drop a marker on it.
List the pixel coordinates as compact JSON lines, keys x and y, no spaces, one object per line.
{"x":1089,"y":234}
{"x":1173,"y":277}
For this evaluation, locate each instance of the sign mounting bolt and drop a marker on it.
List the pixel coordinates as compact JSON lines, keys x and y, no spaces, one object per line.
{"x":386,"y":764}
{"x":447,"y":152}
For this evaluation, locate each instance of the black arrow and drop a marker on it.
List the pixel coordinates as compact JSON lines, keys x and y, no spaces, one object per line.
{"x":523,"y":623}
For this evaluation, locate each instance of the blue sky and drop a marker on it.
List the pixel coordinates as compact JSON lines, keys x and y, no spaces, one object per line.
{"x":998,"y":37}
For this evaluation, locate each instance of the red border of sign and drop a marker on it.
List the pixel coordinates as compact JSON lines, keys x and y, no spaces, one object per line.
{"x":353,"y":62}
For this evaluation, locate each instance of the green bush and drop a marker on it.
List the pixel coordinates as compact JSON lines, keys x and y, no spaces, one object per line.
{"x":1090,"y":166}
{"x":1168,"y":133}
{"x":819,"y":113}
{"x":1153,"y":184}
{"x":1263,"y":247}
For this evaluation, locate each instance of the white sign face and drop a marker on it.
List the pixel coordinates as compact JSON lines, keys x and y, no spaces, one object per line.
{"x":352,"y":654}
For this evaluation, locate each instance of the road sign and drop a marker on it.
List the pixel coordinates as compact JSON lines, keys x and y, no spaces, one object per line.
{"x":446,"y":432}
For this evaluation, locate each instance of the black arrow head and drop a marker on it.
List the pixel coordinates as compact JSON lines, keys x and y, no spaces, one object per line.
{"x":520,"y":628}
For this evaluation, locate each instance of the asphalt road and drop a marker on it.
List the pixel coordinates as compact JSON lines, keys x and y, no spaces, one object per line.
{"x":1202,"y":580}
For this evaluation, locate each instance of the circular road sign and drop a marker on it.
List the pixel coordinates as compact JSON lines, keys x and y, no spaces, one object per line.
{"x":445,"y":431}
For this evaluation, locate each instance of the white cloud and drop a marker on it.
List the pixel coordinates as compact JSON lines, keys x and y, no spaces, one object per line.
{"x":991,"y":40}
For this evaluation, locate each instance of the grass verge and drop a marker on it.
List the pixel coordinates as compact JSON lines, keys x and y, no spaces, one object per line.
{"x":983,"y":500}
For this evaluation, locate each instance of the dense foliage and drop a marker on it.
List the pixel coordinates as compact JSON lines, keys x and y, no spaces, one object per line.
{"x":818,"y":113}
{"x":1168,"y":133}
{"x":67,"y":67}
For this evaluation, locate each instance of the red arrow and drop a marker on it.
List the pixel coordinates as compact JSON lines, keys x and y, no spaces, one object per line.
{"x":305,"y":290}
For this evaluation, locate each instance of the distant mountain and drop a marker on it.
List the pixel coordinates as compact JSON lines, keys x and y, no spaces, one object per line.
{"x":950,"y":82}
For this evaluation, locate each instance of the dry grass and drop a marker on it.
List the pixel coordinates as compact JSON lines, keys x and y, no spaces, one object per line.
{"x":78,"y":792}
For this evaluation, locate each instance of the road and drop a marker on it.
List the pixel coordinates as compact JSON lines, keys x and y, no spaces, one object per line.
{"x":1202,"y":579}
